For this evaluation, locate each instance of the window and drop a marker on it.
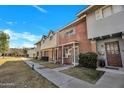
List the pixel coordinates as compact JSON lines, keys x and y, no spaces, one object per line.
{"x":70,"y":33}
{"x":67,"y":52}
{"x":98,"y":14}
{"x":50,"y":37}
{"x":46,"y":53}
{"x":43,"y":41}
{"x":107,"y":11}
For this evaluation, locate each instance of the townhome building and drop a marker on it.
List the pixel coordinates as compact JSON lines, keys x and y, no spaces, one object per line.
{"x":48,"y":46}
{"x":38,"y":47}
{"x":73,"y":40}
{"x":105,"y":27}
{"x":31,"y":52}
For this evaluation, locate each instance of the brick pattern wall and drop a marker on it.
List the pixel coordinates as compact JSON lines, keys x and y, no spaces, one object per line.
{"x":80,"y":35}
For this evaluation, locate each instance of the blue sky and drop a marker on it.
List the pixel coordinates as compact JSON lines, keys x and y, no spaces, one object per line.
{"x":27,"y":24}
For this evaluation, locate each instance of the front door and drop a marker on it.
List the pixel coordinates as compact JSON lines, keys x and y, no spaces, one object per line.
{"x":113,"y":54}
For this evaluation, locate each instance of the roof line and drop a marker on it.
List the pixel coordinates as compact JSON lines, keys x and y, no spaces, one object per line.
{"x":85,"y":10}
{"x":76,"y":20}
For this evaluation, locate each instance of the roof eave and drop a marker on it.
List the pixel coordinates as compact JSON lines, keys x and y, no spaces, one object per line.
{"x":85,"y":10}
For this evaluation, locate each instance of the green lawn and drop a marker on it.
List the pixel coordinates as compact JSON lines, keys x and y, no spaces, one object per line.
{"x":86,"y":74}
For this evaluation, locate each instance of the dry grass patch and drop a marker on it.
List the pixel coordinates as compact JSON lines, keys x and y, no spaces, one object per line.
{"x":52,"y":65}
{"x":38,"y":61}
{"x":18,"y":74}
{"x":86,"y":74}
{"x":5,"y":59}
{"x":47,"y":64}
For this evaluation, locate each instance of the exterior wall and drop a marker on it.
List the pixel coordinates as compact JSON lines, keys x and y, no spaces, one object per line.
{"x":102,"y":42}
{"x":80,"y":36}
{"x":93,"y":46}
{"x":49,"y":43}
{"x":38,"y":46}
{"x":51,"y":53}
{"x":105,"y":26}
{"x":31,"y":53}
{"x":50,"y":46}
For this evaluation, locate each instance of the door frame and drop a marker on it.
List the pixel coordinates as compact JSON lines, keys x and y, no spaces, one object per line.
{"x":119,"y":52}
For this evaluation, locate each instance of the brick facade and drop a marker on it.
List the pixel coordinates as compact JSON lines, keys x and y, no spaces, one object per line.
{"x":80,"y":36}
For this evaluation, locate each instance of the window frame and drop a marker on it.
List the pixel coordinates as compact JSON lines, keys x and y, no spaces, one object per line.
{"x":105,"y":8}
{"x":71,"y":32}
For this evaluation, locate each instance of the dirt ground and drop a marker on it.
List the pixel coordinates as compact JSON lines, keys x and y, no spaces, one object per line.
{"x":19,"y":75}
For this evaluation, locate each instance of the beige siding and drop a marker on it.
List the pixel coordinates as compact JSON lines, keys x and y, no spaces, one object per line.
{"x":105,"y":26}
{"x":49,"y":43}
{"x":31,"y":53}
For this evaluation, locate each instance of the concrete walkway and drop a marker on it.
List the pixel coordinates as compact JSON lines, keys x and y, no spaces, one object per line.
{"x":63,"y":68}
{"x":58,"y":78}
{"x":108,"y":80}
{"x":111,"y":80}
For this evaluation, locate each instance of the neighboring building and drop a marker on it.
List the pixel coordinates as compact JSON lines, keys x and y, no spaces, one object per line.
{"x":105,"y":26}
{"x":48,"y":46}
{"x":31,"y":52}
{"x":12,"y":51}
{"x":72,"y":40}
{"x":38,"y":47}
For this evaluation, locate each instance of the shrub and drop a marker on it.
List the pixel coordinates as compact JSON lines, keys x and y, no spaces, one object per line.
{"x":88,"y":60}
{"x":44,"y":58}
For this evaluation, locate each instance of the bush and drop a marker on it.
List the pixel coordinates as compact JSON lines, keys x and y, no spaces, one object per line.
{"x":44,"y":58}
{"x":88,"y":60}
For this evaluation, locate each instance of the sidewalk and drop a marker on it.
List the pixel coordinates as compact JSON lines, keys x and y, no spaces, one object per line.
{"x":108,"y":80}
{"x":111,"y":80}
{"x":63,"y":68}
{"x":58,"y":78}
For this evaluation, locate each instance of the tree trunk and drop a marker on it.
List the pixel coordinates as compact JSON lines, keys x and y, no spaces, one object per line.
{"x":3,"y":55}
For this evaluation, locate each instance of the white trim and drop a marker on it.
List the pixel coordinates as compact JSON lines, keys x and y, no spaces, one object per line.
{"x":74,"y":54}
{"x":85,"y":10}
{"x":62,"y":55}
{"x":68,"y":43}
{"x":72,"y":22}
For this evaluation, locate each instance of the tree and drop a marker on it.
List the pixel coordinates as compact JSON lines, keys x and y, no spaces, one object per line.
{"x":4,"y":42}
{"x":15,"y":53}
{"x":25,"y":52}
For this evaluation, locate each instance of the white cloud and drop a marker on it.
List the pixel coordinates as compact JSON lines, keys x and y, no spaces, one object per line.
{"x":24,"y":44}
{"x":11,"y":23}
{"x":27,"y":44}
{"x":40,"y":9}
{"x":24,"y":35}
{"x":24,"y":39}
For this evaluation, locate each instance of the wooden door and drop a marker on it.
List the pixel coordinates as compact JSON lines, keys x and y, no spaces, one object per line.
{"x":113,"y":54}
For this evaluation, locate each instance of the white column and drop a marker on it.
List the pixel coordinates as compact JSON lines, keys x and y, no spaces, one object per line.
{"x":74,"y":54}
{"x":62,"y":56}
